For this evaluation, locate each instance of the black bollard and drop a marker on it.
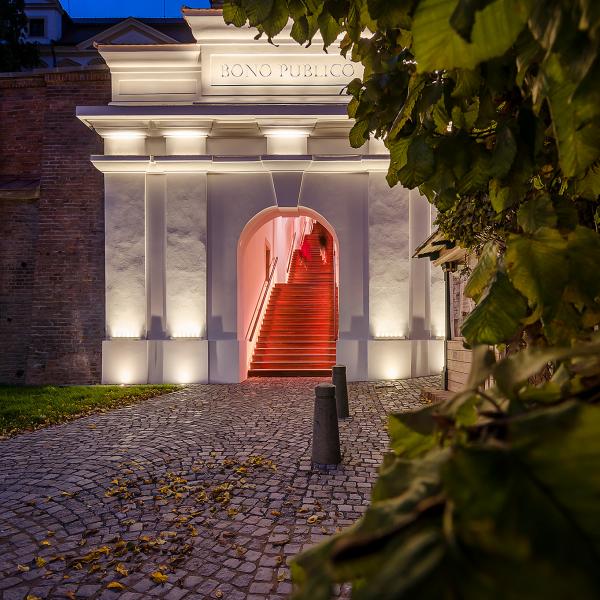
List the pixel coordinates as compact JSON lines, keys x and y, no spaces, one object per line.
{"x":326,"y":435}
{"x":338,"y":373}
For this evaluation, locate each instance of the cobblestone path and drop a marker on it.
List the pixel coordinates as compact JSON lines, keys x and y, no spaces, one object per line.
{"x":202,"y":493}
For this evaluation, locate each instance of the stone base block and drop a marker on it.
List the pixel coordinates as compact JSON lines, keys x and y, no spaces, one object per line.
{"x":401,"y":359}
{"x":154,"y":361}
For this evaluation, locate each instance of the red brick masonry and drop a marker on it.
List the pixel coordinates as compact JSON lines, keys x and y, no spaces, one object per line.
{"x":51,"y":247}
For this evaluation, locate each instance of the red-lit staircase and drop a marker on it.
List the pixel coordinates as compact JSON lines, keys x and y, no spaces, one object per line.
{"x":298,"y":333}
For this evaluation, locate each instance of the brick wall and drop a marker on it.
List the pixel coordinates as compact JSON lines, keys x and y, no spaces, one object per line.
{"x":55,"y":334}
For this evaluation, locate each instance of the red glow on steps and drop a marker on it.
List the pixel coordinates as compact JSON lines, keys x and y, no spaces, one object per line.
{"x":297,"y":336}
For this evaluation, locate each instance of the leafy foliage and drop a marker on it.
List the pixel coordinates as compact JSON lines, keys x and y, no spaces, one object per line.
{"x":492,"y":109}
{"x":15,"y":53}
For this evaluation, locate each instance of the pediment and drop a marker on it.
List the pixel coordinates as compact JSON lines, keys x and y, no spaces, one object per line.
{"x":130,"y":31}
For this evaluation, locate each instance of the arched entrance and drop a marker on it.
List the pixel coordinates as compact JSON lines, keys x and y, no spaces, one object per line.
{"x":287,"y":294}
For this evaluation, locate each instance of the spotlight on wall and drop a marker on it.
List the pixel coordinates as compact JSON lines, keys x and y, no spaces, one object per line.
{"x":186,"y":133}
{"x":287,"y":132}
{"x":123,"y":135}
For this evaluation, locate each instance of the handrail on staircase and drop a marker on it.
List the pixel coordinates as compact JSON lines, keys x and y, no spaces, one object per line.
{"x":261,"y":300}
{"x":335,"y":307}
{"x":308,"y":220}
{"x":291,"y":253}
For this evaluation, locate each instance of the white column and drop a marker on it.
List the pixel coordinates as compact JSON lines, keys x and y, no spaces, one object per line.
{"x":420,"y":270}
{"x":420,"y":287}
{"x":156,"y":255}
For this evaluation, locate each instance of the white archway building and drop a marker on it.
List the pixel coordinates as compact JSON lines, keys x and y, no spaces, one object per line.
{"x":203,"y":139}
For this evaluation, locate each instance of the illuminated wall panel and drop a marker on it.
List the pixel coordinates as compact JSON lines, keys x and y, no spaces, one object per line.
{"x":186,"y":255}
{"x":125,"y":252}
{"x":389,"y":253}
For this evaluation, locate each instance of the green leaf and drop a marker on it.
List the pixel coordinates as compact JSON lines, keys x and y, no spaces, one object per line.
{"x":420,"y":163}
{"x":277,"y":19}
{"x":576,"y":123}
{"x":583,"y":248}
{"x":484,"y":271}
{"x":405,"y":441}
{"x":504,"y":153}
{"x":463,"y":17}
{"x":497,"y":317}
{"x":398,"y":156}
{"x":501,"y":197}
{"x":589,"y":185}
{"x":415,"y":86}
{"x":329,"y":28}
{"x":561,"y":448}
{"x":359,"y":133}
{"x":513,"y":372}
{"x":467,"y":83}
{"x":438,"y":46}
{"x":535,"y":213}
{"x":300,"y":30}
{"x":537,"y":266}
{"x":257,"y":11}
{"x":233,"y":14}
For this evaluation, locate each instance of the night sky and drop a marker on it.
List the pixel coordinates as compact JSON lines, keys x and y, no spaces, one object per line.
{"x":129,"y":8}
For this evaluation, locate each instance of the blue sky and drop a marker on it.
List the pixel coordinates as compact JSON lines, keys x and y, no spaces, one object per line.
{"x":129,"y":8}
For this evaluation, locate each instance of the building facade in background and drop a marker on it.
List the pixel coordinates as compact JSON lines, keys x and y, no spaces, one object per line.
{"x":146,"y":224}
{"x":67,"y":42}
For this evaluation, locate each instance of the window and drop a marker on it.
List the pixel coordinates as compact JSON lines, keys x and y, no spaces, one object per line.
{"x":37,"y":27}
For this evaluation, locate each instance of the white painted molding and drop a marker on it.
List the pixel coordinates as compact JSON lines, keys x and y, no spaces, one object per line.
{"x":240,"y":164}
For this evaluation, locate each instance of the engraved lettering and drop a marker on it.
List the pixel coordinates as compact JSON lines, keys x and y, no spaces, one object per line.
{"x":237,"y":70}
{"x":265,"y":70}
{"x":348,"y":70}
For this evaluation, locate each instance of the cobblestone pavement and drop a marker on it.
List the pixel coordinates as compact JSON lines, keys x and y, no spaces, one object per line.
{"x":209,"y":489}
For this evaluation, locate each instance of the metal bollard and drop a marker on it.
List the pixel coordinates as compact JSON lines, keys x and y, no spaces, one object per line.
{"x":338,"y":373}
{"x":326,"y":435}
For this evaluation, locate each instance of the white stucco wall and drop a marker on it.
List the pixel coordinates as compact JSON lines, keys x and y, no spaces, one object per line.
{"x":389,"y":259}
{"x":186,"y":255}
{"x":233,"y":199}
{"x":125,"y":255}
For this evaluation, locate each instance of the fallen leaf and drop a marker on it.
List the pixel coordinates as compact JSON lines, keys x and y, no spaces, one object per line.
{"x":218,"y":594}
{"x":67,"y":494}
{"x":50,"y":533}
{"x":23,"y":568}
{"x":45,"y":543}
{"x":122,"y":570}
{"x":303,"y":510}
{"x":71,"y":595}
{"x":276,"y":513}
{"x":159,"y":577}
{"x":40,"y":562}
{"x":115,"y":585}
{"x":32,"y":597}
{"x":312,"y":519}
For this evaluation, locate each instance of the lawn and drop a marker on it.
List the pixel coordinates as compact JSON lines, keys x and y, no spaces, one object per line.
{"x":25,"y":408}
